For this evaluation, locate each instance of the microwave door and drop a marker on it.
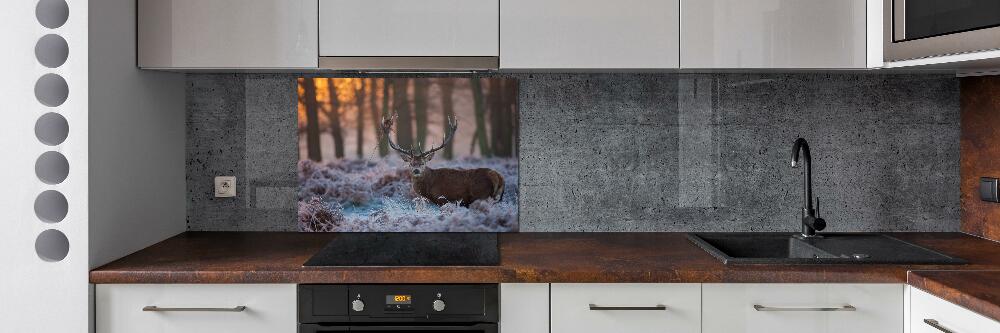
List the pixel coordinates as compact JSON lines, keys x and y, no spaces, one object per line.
{"x":915,"y":29}
{"x":916,"y":19}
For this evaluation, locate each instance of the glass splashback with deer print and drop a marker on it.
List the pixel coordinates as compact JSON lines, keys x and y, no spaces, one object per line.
{"x":408,"y":154}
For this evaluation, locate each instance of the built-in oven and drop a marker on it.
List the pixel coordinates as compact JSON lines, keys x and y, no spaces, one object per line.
{"x":387,"y":308}
{"x":916,"y":29}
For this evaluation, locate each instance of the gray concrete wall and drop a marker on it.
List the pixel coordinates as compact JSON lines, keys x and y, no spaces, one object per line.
{"x":640,"y":152}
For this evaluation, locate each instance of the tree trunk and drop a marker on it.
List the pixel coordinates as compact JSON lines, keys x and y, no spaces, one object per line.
{"x":480,"y":106}
{"x":373,"y":90}
{"x":420,"y":111}
{"x":312,"y":120}
{"x":515,"y":115}
{"x":334,"y":115}
{"x":359,"y":101}
{"x":383,"y":146}
{"x":498,"y":119}
{"x":448,"y":108}
{"x":404,"y":120}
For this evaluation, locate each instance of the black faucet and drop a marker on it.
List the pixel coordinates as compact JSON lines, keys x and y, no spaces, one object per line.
{"x":810,"y":221}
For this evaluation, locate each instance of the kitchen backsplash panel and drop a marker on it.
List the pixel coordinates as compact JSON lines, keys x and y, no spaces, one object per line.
{"x":639,"y":152}
{"x":980,"y":152}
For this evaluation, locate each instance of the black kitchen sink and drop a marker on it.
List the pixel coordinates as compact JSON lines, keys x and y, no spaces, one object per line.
{"x":832,"y":248}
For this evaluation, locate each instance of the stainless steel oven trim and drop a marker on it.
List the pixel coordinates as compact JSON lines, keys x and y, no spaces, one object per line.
{"x":958,"y":43}
{"x":479,"y":327}
{"x":898,"y":26}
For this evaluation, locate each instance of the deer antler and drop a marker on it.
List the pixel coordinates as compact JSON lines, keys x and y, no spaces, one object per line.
{"x":448,"y":135}
{"x":387,"y":122}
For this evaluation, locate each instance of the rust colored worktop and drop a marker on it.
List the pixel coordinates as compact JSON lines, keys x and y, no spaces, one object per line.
{"x":269,"y":257}
{"x":978,"y":291}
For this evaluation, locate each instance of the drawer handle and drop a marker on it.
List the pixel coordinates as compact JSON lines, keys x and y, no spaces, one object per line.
{"x":935,"y":324}
{"x":759,"y":307}
{"x":154,"y":308}
{"x":595,"y":307}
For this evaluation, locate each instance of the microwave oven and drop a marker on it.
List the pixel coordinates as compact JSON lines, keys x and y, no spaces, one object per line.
{"x":915,"y":29}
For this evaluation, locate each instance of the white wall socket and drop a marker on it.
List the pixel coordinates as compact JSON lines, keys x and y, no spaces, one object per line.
{"x":225,"y":187}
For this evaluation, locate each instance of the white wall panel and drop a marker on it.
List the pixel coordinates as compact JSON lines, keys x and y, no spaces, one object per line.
{"x":137,"y":186}
{"x":38,"y":295}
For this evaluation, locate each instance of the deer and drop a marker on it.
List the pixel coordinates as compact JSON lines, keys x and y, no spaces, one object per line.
{"x":444,"y":185}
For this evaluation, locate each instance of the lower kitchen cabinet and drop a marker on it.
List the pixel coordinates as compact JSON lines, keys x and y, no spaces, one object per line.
{"x":195,"y":308}
{"x":524,"y":308}
{"x":802,"y":308}
{"x":930,"y":314}
{"x":569,"y":307}
{"x":625,"y":307}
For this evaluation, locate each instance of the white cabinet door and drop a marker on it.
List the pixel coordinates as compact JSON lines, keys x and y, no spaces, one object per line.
{"x":570,"y":34}
{"x":409,"y":28}
{"x":270,"y":308}
{"x":625,"y":308}
{"x":227,"y":33}
{"x":927,"y":310}
{"x":802,"y":308}
{"x":773,"y":34}
{"x":524,"y":308}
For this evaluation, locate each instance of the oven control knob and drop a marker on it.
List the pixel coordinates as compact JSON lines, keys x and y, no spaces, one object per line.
{"x":438,"y":305}
{"x":358,"y":305}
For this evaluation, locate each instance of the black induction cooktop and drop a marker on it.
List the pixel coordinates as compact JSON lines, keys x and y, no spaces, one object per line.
{"x":409,"y":249}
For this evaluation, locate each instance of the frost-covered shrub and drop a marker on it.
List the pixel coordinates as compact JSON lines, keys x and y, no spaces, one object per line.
{"x":360,"y":195}
{"x":316,"y":215}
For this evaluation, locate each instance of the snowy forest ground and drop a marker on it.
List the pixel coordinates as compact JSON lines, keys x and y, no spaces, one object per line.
{"x":356,"y":195}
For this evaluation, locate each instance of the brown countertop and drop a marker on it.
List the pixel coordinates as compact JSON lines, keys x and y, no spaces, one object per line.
{"x":269,"y":257}
{"x":978,"y":291}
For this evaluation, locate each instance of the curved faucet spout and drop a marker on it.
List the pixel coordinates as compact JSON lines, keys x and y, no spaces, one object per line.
{"x":807,"y":188}
{"x":810,"y":222}
{"x":800,"y":145}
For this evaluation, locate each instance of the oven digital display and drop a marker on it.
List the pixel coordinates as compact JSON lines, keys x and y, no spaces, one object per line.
{"x":398,"y":299}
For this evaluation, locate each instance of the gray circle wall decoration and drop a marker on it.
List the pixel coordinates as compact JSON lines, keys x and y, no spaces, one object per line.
{"x":51,"y":51}
{"x":51,"y":206}
{"x":52,"y":167}
{"x":51,"y":90}
{"x":52,"y":245}
{"x":52,"y":13}
{"x":52,"y":129}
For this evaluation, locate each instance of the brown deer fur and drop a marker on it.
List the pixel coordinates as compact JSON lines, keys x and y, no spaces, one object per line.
{"x":445,"y":185}
{"x":442,"y":186}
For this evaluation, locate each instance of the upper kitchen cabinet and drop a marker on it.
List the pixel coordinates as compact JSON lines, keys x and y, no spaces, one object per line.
{"x":780,"y":34}
{"x":407,"y":34}
{"x":589,"y":34}
{"x":221,"y":34}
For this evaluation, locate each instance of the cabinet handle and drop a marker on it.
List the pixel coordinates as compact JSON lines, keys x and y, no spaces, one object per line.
{"x":159,"y":309}
{"x":935,"y":324}
{"x":657,"y":307}
{"x":759,"y":307}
